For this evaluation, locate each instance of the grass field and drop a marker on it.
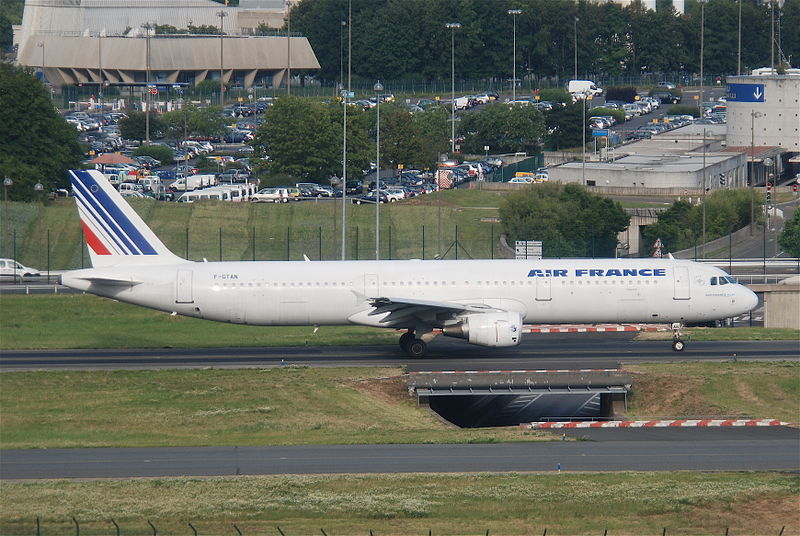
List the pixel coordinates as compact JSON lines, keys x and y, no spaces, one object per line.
{"x":291,"y":406}
{"x":417,"y":228}
{"x":445,"y":504}
{"x":279,"y":406}
{"x":761,"y":390}
{"x":85,"y":321}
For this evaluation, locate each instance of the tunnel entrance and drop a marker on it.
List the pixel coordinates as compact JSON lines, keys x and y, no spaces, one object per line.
{"x":498,"y":398}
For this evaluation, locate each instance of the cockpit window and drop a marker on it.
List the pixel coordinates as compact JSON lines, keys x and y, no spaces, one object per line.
{"x":723,"y":280}
{"x":731,"y":280}
{"x":713,"y":280}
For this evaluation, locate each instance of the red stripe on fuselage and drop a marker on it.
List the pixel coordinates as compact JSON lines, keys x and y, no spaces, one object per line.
{"x":93,"y":241}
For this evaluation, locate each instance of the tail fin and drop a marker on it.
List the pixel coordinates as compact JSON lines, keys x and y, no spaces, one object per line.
{"x":114,"y":232}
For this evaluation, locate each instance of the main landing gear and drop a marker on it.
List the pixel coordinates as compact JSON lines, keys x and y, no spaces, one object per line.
{"x":413,"y":346}
{"x":677,"y":342}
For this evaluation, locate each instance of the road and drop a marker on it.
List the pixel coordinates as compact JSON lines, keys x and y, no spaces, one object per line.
{"x":540,"y":351}
{"x":773,"y":449}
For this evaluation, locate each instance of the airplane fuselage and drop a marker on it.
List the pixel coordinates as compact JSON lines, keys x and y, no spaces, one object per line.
{"x":339,"y":292}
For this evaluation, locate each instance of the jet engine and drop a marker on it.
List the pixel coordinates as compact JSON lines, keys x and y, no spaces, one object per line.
{"x":488,"y":329}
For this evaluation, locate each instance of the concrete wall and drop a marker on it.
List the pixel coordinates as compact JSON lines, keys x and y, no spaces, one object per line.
{"x":782,"y":307}
{"x":777,"y":122}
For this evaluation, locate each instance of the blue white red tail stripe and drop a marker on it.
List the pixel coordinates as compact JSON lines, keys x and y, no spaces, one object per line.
{"x":114,"y":231}
{"x":113,"y":222}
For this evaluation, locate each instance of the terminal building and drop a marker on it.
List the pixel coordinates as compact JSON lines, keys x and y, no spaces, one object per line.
{"x":113,"y":42}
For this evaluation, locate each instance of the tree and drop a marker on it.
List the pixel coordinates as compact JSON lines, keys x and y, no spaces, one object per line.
{"x":205,"y":122}
{"x":134,"y":126}
{"x":38,"y":145}
{"x":300,"y":138}
{"x":789,"y":238}
{"x":564,"y":126}
{"x":506,"y":129}
{"x":569,"y":220}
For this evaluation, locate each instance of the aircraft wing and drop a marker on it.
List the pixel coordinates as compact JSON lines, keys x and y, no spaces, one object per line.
{"x":402,"y":312}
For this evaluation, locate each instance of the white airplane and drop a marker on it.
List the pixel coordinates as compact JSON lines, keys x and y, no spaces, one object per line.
{"x":483,"y":301}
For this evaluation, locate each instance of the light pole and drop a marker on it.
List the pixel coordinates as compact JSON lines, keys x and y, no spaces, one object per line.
{"x":453,"y":26}
{"x":703,"y":249}
{"x":345,"y":95}
{"x":378,"y":89}
{"x":341,"y":51}
{"x":575,"y":36}
{"x":768,"y":163}
{"x":514,"y":13}
{"x":583,"y":141}
{"x":221,"y":14}
{"x":41,"y":45}
{"x":702,"y":48}
{"x":739,"y":48}
{"x":752,"y":176}
{"x":288,"y":47}
{"x":7,"y":183}
{"x":147,"y":26}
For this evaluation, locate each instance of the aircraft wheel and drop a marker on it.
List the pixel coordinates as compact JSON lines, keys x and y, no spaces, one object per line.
{"x":416,"y":348}
{"x":405,"y":339}
{"x":678,"y":345}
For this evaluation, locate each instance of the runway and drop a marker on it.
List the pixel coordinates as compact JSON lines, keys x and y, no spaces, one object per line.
{"x":739,"y":449}
{"x":665,"y":450}
{"x":542,"y":351}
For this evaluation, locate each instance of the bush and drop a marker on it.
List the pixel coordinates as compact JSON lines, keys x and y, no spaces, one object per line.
{"x":684,"y":109}
{"x":555,"y":95}
{"x":159,"y":152}
{"x":625,"y":94}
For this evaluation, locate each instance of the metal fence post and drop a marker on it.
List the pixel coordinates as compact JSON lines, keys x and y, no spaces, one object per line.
{"x":280,"y":530}
{"x":390,"y":242}
{"x":356,"y":259}
{"x":194,"y":530}
{"x":423,"y":242}
{"x":37,"y":526}
{"x":288,"y":241}
{"x":220,"y":243}
{"x":48,"y":255}
{"x":239,"y":532}
{"x":491,"y":241}
{"x":77,"y":526}
{"x":320,"y":242}
{"x":155,"y":532}
{"x":253,"y":240}
{"x":186,"y":243}
{"x":116,"y":527}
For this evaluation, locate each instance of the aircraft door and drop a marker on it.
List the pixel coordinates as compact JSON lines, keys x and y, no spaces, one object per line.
{"x":543,"y":285}
{"x":371,"y":285}
{"x":183,"y":287}
{"x":681,"y":275}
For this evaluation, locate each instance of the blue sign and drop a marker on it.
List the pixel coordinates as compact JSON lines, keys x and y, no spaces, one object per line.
{"x":600,"y":132}
{"x":745,"y":92}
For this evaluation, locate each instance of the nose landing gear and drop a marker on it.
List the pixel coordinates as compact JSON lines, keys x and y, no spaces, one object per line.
{"x":677,"y":342}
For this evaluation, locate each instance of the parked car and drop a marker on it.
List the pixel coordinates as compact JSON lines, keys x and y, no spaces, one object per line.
{"x":12,"y":270}
{"x":271,"y":195}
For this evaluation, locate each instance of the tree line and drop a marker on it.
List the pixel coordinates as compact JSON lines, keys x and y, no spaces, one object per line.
{"x":409,"y":40}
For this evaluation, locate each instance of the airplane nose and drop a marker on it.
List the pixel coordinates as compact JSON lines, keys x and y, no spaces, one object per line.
{"x":749,"y":299}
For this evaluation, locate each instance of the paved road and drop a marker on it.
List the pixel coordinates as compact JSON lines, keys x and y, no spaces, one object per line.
{"x":675,"y":450}
{"x":543,"y":351}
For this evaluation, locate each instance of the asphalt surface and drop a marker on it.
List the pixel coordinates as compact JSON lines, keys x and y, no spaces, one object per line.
{"x":720,"y":450}
{"x":537,"y":351}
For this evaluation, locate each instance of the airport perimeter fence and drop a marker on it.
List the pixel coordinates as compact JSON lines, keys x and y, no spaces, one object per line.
{"x":409,"y":88}
{"x":51,"y":251}
{"x":192,"y":530}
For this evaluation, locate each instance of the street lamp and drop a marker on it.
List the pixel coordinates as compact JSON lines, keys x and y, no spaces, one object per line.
{"x":345,"y":94}
{"x":702,"y":45}
{"x":739,"y":48}
{"x":147,"y":26}
{"x":288,"y":47}
{"x":41,"y":45}
{"x":221,"y":14}
{"x":378,"y":89}
{"x":514,"y":13}
{"x":453,"y":26}
{"x":575,"y":34}
{"x":342,"y":24}
{"x":7,"y":183}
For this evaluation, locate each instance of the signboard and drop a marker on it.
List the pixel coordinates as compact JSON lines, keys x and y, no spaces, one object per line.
{"x":528,"y":249}
{"x":600,"y":132}
{"x":745,"y":92}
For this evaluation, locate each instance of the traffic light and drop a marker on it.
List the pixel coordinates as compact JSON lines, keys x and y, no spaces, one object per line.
{"x":769,"y":194}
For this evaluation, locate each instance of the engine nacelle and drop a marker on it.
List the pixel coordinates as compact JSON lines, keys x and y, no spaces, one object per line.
{"x":488,"y":329}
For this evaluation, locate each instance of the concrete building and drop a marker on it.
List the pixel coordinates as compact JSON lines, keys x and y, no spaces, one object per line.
{"x":764,"y":112}
{"x":94,"y":41}
{"x":649,"y":4}
{"x":689,"y":158}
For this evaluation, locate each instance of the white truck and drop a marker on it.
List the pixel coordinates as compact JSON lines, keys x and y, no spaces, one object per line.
{"x":193,"y":182}
{"x":581,"y":88}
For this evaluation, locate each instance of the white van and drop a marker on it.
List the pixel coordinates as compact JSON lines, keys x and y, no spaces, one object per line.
{"x":581,"y":88}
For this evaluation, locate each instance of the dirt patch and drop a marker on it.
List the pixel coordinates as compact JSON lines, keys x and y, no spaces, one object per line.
{"x":744,"y":392}
{"x":665,"y":395}
{"x":392,"y":390}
